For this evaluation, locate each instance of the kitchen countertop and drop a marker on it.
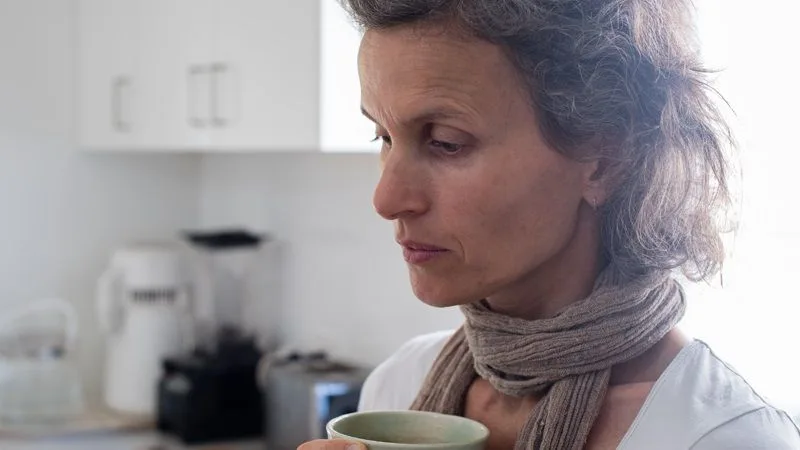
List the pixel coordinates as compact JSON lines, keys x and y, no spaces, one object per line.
{"x":102,"y":429}
{"x":120,"y":440}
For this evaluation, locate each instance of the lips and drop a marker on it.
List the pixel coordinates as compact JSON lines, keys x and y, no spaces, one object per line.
{"x":418,"y":253}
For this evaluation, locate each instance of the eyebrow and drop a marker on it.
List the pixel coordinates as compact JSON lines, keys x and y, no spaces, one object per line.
{"x":367,"y":115}
{"x":427,"y":116}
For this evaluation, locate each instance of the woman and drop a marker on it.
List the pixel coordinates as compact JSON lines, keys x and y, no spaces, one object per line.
{"x":549,"y":165}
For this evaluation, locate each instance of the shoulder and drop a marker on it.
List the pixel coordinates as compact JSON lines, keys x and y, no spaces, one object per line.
{"x":395,"y":382}
{"x":701,"y":403}
{"x":763,"y":428}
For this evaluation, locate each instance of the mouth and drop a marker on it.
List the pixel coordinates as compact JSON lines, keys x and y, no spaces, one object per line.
{"x":417,"y":253}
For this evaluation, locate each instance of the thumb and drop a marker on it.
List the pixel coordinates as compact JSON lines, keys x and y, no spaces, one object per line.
{"x":332,"y":444}
{"x":351,"y":445}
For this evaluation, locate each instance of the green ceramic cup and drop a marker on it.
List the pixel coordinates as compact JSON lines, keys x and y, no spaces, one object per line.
{"x":409,"y":430}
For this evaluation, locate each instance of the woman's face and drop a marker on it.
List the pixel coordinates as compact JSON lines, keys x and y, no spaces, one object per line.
{"x":481,"y":204}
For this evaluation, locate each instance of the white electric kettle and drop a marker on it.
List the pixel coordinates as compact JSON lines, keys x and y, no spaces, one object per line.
{"x":145,"y":304}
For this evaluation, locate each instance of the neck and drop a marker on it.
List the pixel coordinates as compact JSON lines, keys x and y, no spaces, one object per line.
{"x":565,"y":278}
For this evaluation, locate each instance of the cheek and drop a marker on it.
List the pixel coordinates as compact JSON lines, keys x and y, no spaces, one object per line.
{"x":520,"y":217}
{"x":504,"y":224}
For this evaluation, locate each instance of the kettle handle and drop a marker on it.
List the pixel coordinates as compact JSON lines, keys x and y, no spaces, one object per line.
{"x":108,"y":308}
{"x":48,"y":305}
{"x":70,"y":317}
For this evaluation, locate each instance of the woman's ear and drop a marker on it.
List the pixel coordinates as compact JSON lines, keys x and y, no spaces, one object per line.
{"x":598,"y":181}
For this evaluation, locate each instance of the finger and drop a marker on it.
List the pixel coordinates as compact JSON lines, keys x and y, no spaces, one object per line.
{"x":332,"y":444}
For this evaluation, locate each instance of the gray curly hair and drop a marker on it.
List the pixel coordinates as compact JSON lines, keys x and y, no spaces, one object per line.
{"x":618,"y":80}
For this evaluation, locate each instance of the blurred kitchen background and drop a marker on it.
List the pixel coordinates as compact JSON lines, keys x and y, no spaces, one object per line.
{"x":197,"y":174}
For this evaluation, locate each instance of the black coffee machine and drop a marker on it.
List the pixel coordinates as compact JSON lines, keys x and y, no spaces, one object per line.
{"x":212,"y":395}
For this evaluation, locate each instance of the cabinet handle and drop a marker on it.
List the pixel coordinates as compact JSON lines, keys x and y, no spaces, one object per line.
{"x":117,"y":106}
{"x":217,"y":70}
{"x":193,"y":73}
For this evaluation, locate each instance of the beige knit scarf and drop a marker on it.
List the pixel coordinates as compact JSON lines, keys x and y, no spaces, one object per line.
{"x":567,"y":358}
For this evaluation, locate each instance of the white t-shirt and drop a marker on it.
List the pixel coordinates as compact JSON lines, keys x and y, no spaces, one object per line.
{"x":698,"y":403}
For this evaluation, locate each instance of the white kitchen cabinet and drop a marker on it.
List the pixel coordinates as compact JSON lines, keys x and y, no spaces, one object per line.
{"x":109,"y":79}
{"x":142,"y":74}
{"x":220,"y":75}
{"x":174,"y":78}
{"x":265,"y":69}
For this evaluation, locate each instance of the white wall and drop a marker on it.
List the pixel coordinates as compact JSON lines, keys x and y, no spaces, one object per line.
{"x":344,"y":283}
{"x":63,"y":211}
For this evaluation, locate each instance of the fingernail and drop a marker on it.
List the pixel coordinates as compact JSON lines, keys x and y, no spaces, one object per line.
{"x":354,"y":447}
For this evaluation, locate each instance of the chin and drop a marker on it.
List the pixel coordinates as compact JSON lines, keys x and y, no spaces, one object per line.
{"x":441,"y":302}
{"x":441,"y":295}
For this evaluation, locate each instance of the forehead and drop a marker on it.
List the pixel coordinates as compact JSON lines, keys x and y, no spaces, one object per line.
{"x":433,"y":48}
{"x":429,"y":63}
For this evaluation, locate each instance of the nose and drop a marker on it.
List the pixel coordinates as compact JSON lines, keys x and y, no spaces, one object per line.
{"x":401,"y":190}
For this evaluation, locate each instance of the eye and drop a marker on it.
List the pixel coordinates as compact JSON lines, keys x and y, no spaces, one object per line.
{"x":385,"y":139}
{"x":447,"y":148}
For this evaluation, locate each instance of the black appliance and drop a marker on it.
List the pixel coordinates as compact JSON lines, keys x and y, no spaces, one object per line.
{"x":212,"y":396}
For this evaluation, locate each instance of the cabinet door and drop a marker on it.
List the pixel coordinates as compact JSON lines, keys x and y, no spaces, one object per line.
{"x":176,"y":75}
{"x":265,"y":75}
{"x":110,"y":111}
{"x":343,"y":127}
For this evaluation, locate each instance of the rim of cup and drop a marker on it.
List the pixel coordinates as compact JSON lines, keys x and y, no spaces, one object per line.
{"x":482,"y":429}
